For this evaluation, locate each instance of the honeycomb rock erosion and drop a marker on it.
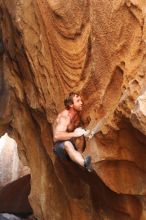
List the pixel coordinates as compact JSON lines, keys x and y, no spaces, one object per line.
{"x":49,"y":48}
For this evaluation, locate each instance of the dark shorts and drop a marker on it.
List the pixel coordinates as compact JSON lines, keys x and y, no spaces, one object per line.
{"x":59,"y":150}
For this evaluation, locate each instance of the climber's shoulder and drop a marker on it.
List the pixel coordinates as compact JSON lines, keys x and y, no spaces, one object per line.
{"x":63,"y":116}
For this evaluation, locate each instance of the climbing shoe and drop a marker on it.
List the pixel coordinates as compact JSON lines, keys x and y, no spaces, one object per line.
{"x":87,"y":163}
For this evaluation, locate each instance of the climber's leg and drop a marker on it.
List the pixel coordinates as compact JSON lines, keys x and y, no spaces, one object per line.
{"x":73,"y":153}
{"x":66,"y":149}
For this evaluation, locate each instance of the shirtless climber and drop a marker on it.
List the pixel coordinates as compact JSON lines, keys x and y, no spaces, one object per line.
{"x":66,"y":129}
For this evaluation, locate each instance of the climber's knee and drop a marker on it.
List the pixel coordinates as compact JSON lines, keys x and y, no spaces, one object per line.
{"x":68,"y":146}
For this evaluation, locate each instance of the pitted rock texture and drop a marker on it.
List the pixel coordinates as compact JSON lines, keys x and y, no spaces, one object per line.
{"x":49,"y":48}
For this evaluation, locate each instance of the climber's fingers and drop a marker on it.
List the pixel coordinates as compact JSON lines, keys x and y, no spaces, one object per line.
{"x":87,"y":133}
{"x":90,"y":136}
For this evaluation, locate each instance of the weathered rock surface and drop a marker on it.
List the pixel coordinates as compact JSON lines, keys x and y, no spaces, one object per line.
{"x":138,"y":116}
{"x":97,"y":47}
{"x":11,"y":167}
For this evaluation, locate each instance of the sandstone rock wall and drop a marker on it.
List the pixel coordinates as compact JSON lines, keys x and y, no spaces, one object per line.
{"x":97,"y":47}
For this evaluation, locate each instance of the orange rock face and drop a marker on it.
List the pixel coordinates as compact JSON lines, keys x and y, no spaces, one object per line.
{"x":98,"y":48}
